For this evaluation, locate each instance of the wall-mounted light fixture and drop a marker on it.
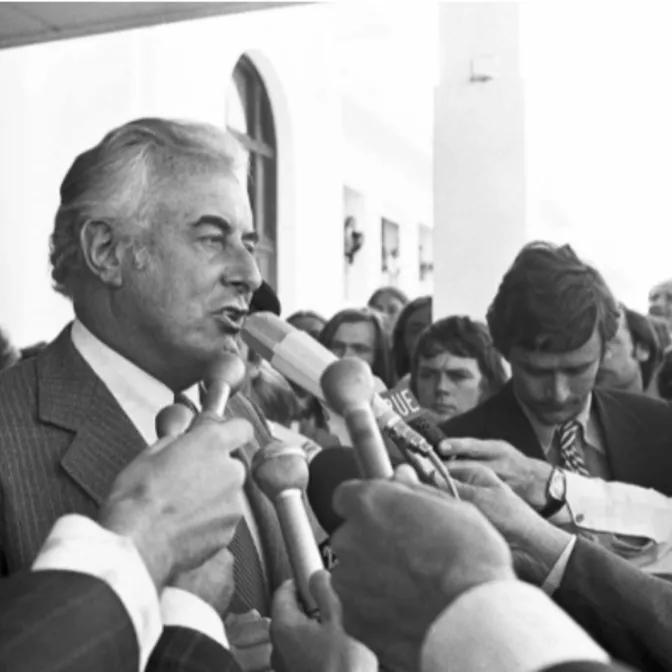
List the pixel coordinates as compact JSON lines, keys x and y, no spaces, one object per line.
{"x":354,"y":239}
{"x":483,"y":69}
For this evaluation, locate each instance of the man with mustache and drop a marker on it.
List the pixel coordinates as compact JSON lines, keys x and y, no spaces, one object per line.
{"x":575,"y":453}
{"x":154,"y":245}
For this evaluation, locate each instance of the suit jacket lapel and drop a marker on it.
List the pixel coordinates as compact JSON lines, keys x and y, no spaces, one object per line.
{"x":619,"y":426}
{"x":507,"y":421}
{"x":71,"y":396}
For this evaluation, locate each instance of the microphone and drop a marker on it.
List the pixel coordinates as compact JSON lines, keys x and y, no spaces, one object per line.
{"x":427,"y":427}
{"x":328,"y":470}
{"x":224,"y":377}
{"x":301,"y":359}
{"x":294,"y":353}
{"x":348,"y":386}
{"x":281,"y":472}
{"x":173,"y":420}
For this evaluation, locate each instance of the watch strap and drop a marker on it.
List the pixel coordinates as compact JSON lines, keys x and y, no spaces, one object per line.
{"x":553,"y":505}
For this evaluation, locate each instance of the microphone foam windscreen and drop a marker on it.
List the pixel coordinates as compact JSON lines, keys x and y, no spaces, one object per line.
{"x":328,"y":469}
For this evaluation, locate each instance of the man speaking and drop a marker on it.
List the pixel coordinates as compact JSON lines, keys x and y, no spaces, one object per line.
{"x":154,"y":244}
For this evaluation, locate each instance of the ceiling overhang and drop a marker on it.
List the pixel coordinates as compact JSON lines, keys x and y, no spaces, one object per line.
{"x":24,"y":23}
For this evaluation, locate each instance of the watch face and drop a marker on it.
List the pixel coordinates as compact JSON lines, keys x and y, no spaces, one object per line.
{"x":556,"y":488}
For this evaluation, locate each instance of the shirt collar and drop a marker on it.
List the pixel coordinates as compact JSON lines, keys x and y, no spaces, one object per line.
{"x":140,"y":395}
{"x":545,"y":434}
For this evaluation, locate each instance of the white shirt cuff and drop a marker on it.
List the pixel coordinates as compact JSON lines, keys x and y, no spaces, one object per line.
{"x":184,"y":609}
{"x":557,"y":573}
{"x":619,"y":508}
{"x":79,"y":544}
{"x":508,"y":626}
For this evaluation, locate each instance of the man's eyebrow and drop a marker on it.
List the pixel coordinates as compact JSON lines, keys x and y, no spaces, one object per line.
{"x":226,"y":228}
{"x":450,"y":369}
{"x":215,"y":220}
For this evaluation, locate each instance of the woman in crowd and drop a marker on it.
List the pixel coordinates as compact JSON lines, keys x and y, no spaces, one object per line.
{"x":416,"y":316}
{"x":389,"y":302}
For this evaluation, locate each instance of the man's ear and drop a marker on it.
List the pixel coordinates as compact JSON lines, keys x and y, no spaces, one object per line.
{"x":102,"y":251}
{"x":642,"y":353}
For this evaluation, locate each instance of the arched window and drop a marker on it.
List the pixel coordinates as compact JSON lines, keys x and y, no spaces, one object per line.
{"x":250,"y":118}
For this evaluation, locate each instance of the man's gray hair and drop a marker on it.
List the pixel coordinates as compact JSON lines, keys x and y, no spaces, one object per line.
{"x":116,"y":181}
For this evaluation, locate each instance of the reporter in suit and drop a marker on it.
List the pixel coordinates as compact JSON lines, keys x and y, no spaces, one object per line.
{"x":91,"y":601}
{"x":154,"y":244}
{"x":570,"y":450}
{"x":627,"y":612}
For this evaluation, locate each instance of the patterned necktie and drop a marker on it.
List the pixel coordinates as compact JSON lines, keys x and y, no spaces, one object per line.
{"x":570,"y":456}
{"x":248,"y":573}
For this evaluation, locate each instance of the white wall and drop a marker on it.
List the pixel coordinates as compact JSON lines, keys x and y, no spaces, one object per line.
{"x":599,"y":134}
{"x":395,"y":178}
{"x":479,"y":157}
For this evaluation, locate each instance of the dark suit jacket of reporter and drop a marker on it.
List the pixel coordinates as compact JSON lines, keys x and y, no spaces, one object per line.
{"x":63,"y":440}
{"x":637,"y":433}
{"x":625,"y":610}
{"x":66,"y":621}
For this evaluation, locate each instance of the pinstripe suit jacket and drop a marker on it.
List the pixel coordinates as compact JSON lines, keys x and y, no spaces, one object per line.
{"x":63,"y":440}
{"x":54,"y":620}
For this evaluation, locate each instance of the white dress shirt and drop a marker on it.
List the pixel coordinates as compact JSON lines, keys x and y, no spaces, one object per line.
{"x":507,"y":626}
{"x":141,"y":397}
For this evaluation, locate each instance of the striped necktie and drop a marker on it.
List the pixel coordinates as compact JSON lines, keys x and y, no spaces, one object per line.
{"x":570,"y":456}
{"x":248,"y":573}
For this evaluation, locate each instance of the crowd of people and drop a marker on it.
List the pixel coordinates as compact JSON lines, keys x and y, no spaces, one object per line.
{"x":126,"y":545}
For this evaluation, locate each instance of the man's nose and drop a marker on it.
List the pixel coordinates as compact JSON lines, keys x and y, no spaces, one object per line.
{"x":443,"y":384}
{"x":243,"y":271}
{"x":559,"y":389}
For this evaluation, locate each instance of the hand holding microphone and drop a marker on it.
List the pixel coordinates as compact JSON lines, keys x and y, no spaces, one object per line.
{"x":211,"y":580}
{"x":281,"y":472}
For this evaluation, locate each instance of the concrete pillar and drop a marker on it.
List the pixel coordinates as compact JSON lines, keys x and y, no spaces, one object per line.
{"x":479,"y":155}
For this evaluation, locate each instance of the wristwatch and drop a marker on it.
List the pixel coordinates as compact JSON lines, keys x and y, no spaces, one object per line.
{"x":556,"y":493}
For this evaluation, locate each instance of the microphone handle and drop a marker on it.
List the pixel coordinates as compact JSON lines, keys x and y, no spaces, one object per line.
{"x":217,"y":397}
{"x":304,"y":555}
{"x":370,"y":451}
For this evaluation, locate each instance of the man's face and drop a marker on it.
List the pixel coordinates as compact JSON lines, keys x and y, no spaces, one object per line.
{"x":620,"y":368}
{"x":554,"y":387}
{"x":418,"y":320}
{"x":188,"y":302}
{"x":355,"y":339}
{"x":448,"y":385}
{"x":660,"y":300}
